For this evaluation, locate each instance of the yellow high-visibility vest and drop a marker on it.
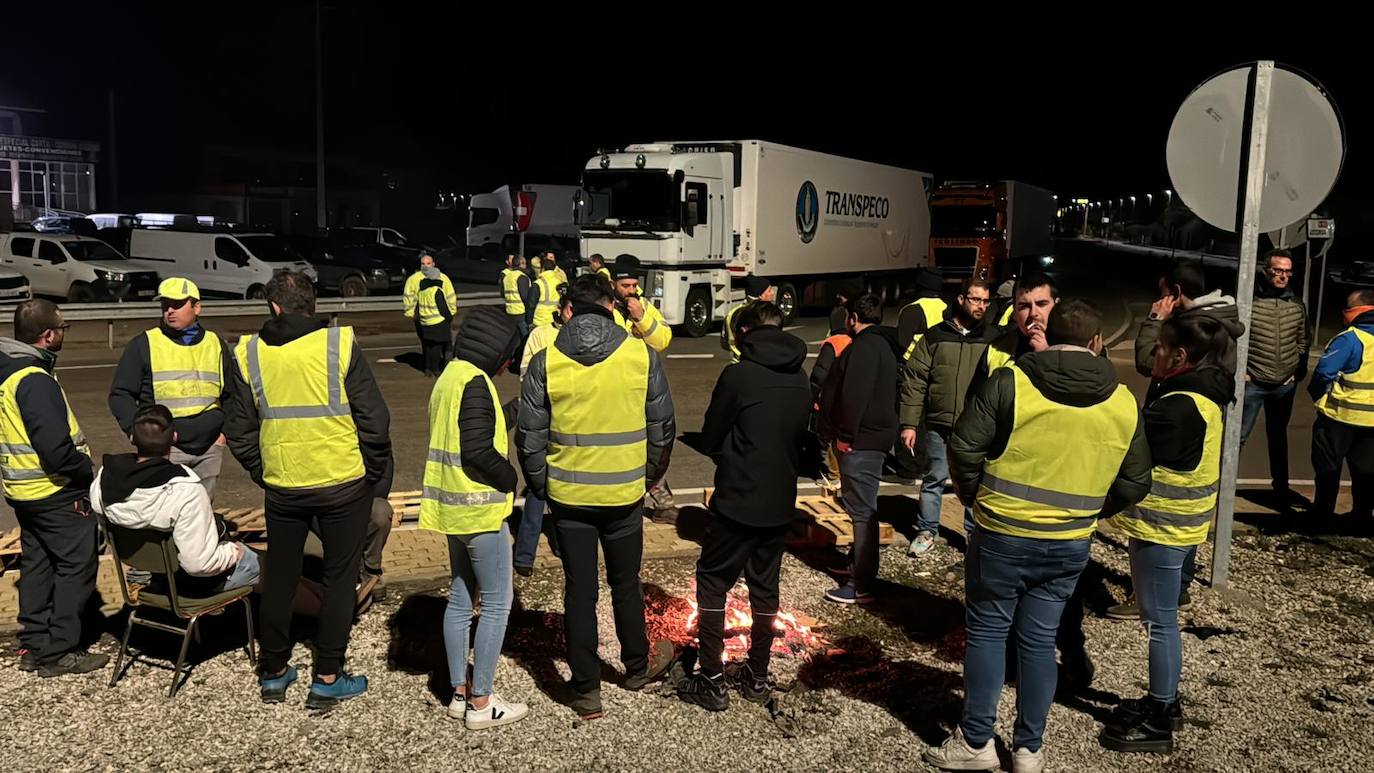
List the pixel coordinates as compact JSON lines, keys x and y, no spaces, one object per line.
{"x":934,"y":311}
{"x":510,"y":289}
{"x":186,"y":379}
{"x":1002,"y":351}
{"x":651,"y":327}
{"x":548,"y":298}
{"x":1351,"y":398}
{"x":452,"y":502}
{"x":1005,"y":319}
{"x":597,"y":427}
{"x":411,"y":293}
{"x":730,"y":341}
{"x":606,"y":272}
{"x":1060,"y":461}
{"x":427,"y":306}
{"x":22,"y":471}
{"x":1181,"y":503}
{"x":307,"y":435}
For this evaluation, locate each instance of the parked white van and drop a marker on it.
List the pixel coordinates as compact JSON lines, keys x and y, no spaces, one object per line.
{"x":76,"y":268}
{"x":223,"y":264}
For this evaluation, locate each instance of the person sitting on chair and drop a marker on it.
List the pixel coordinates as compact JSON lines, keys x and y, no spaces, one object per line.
{"x":144,"y":490}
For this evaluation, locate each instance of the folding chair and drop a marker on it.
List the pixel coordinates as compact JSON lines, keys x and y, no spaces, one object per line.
{"x":153,"y":550}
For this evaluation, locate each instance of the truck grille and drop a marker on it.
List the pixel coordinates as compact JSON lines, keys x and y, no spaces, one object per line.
{"x":12,"y":282}
{"x":956,"y":257}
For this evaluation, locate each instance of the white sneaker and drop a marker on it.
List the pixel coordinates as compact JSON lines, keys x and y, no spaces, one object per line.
{"x":496,"y":712}
{"x":1027,"y":761}
{"x":922,"y":544}
{"x":457,"y":708}
{"x":956,"y":754}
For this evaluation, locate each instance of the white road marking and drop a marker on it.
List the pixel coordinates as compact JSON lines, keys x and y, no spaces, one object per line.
{"x":87,"y":367}
{"x":388,"y":359}
{"x":691,"y":356}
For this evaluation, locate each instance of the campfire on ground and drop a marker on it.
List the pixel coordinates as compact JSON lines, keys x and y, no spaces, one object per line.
{"x":675,"y":619}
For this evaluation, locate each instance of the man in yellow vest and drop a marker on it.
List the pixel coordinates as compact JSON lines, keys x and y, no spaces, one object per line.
{"x":922,"y":314}
{"x":637,"y":316}
{"x":515,"y":288}
{"x":309,"y":425}
{"x":411,"y":292}
{"x":468,"y":494}
{"x":597,"y":264}
{"x":46,"y":469}
{"x":1045,"y":448}
{"x":596,"y":430}
{"x":1343,"y":386}
{"x":541,"y":301}
{"x":181,"y":365}
{"x":756,"y":288}
{"x":550,"y":264}
{"x":434,"y":317}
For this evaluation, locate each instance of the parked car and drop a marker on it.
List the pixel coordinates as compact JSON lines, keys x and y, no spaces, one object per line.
{"x":76,"y":268}
{"x":14,"y":289}
{"x":387,"y":237}
{"x":224,"y":264}
{"x":350,"y":271}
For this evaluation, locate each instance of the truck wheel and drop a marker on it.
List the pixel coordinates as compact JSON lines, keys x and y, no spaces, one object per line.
{"x":256,"y":293}
{"x":787,"y":300}
{"x":353,"y":287}
{"x":879,"y":288}
{"x":697,"y":314}
{"x":80,"y":293}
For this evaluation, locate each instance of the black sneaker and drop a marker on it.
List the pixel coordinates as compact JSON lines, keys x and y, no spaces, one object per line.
{"x":1145,"y":732}
{"x":28,"y":661}
{"x":74,"y":663}
{"x":661,"y":658}
{"x":1131,"y":708}
{"x":587,"y":705}
{"x":706,"y":692}
{"x":524,"y":571}
{"x":753,"y":688}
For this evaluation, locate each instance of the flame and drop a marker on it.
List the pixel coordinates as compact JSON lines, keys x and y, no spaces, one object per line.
{"x":793,"y":638}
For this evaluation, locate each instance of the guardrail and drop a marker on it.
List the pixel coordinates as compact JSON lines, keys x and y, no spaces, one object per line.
{"x":113,"y":312}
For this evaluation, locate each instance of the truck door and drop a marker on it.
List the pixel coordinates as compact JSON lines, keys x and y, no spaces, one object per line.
{"x":697,"y":220}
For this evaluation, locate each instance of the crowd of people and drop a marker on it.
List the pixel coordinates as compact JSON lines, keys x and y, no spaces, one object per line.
{"x":996,"y":403}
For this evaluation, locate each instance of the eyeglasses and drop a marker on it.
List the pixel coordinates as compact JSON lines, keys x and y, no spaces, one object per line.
{"x":1281,"y":271}
{"x":978,"y":301}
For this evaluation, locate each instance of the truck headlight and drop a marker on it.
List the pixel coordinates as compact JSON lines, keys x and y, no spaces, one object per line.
{"x":109,"y":276}
{"x":379,"y":273}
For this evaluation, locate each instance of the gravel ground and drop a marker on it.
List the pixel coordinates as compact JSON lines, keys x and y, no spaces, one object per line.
{"x":1278,"y":676}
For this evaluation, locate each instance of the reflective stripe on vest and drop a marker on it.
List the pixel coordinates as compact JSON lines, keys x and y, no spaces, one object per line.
{"x":24,"y":479}
{"x":188,"y":380}
{"x":597,"y":427}
{"x":934,"y":311}
{"x":548,"y":298}
{"x":730,"y":330}
{"x":1180,"y":505}
{"x":1060,"y":460}
{"x":510,"y":290}
{"x":427,"y":306}
{"x":1351,"y":397}
{"x":452,"y":502}
{"x":307,"y":435}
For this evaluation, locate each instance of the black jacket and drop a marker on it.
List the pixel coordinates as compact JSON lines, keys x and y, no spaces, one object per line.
{"x":859,"y":401}
{"x":1066,"y":377}
{"x":936,"y":380}
{"x":370,"y":414}
{"x":132,"y":389}
{"x":755,"y":428}
{"x":43,"y":410}
{"x":1174,"y":427}
{"x":477,"y":413}
{"x":588,"y":338}
{"x":825,"y":361}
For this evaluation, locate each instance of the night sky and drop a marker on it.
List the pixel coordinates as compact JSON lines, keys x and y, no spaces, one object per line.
{"x":445,"y":100}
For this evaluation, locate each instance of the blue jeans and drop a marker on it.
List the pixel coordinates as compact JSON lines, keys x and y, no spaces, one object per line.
{"x":244,"y":573}
{"x":531,"y":524}
{"x":481,"y":562}
{"x":1277,"y":402}
{"x":1157,"y":573}
{"x":933,"y":485}
{"x":860,"y":474}
{"x":1023,"y":583}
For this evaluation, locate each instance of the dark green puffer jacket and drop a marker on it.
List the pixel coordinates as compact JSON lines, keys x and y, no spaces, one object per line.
{"x":1278,"y":336}
{"x":936,"y":380}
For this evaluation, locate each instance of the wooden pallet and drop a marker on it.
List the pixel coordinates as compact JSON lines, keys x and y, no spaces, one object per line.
{"x":405,"y":506}
{"x":9,"y":542}
{"x":820,"y":520}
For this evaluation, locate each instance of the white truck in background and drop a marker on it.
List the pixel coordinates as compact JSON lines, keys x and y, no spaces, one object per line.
{"x":533,"y":217}
{"x":702,"y":215}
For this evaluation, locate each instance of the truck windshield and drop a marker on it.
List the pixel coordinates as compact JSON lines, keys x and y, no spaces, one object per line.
{"x":646,"y":199}
{"x":480,"y":216}
{"x":953,"y":221}
{"x":92,"y":251}
{"x":272,"y":249}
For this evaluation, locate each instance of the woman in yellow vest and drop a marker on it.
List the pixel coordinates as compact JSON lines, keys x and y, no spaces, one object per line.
{"x":1183,"y":427}
{"x":468,"y":494}
{"x":435,"y":319}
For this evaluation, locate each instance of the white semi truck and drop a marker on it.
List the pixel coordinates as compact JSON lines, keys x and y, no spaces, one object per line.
{"x":701,"y":216}
{"x":520,"y":220}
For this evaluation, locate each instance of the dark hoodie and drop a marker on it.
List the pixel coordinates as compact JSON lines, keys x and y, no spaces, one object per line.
{"x":755,"y":428}
{"x":242,"y":427}
{"x":1071,"y":377}
{"x":486,"y":340}
{"x":1220,"y":307}
{"x":43,"y":409}
{"x":859,"y":400}
{"x":588,"y":338}
{"x":1173,"y":426}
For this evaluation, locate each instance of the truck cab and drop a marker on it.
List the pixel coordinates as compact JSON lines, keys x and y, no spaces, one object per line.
{"x":671,"y":206}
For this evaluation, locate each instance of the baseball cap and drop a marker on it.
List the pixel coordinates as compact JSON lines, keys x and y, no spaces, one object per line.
{"x":177,"y":289}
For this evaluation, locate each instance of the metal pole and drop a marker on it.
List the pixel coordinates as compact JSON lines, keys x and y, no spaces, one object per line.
{"x":1321,"y":296}
{"x":1252,"y":186}
{"x":321,"y":209}
{"x":1306,"y":270}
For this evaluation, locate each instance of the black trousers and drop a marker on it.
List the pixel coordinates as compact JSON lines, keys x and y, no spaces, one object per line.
{"x":620,"y":533}
{"x":522,"y":329}
{"x":1334,"y":443}
{"x":434,"y":343}
{"x":732,"y":548}
{"x":342,"y":513}
{"x":57,"y":568}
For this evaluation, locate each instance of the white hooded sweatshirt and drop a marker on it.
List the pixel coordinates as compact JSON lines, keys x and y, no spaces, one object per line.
{"x":182,"y":507}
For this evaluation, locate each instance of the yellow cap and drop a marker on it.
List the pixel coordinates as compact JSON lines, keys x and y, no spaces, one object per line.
{"x":176,"y":289}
